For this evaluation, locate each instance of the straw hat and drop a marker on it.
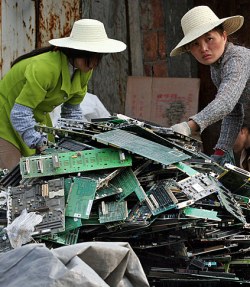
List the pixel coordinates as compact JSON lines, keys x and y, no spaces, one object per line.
{"x":200,"y":20}
{"x":89,"y":35}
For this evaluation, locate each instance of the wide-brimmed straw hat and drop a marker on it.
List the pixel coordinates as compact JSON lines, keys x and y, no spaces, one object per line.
{"x":89,"y":35}
{"x":200,"y":20}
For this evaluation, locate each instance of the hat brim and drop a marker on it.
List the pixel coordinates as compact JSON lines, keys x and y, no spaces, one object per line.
{"x":103,"y":46}
{"x":230,"y":25}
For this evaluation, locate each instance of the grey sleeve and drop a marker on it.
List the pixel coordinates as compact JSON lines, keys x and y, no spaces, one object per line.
{"x":69,"y":111}
{"x":230,"y":128}
{"x":23,"y":122}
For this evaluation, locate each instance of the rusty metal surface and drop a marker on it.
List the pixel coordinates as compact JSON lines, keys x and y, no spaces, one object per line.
{"x":26,"y":25}
{"x":55,"y":19}
{"x":17,"y":30}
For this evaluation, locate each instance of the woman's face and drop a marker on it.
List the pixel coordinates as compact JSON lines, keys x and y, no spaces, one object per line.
{"x":208,"y":48}
{"x":85,"y":65}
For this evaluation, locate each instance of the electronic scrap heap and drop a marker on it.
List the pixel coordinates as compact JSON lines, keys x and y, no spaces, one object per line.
{"x":120,"y":179}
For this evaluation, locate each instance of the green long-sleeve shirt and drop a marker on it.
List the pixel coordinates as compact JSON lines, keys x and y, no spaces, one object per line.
{"x":41,"y":83}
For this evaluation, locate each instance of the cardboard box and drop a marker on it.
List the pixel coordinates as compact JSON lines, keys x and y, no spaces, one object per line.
{"x":164,"y":101}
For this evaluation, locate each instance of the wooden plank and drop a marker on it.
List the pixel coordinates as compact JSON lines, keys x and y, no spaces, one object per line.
{"x":109,"y":79}
{"x":136,"y":57}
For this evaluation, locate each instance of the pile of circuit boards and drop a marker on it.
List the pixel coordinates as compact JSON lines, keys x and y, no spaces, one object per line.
{"x":120,"y":179}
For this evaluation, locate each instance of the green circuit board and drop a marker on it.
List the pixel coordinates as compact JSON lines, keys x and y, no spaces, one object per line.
{"x":81,"y":197}
{"x":73,"y":162}
{"x":113,"y":211}
{"x":72,"y":223}
{"x":141,"y":146}
{"x":64,"y":238}
{"x":128,"y":183}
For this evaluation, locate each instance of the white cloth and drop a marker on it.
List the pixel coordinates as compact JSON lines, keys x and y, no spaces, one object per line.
{"x":91,"y":106}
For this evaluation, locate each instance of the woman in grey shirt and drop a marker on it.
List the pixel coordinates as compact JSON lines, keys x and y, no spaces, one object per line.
{"x":205,"y":37}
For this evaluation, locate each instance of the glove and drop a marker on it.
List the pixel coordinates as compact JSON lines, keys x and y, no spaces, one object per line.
{"x":41,"y":145}
{"x":182,"y":128}
{"x":23,"y":121}
{"x":222,"y":157}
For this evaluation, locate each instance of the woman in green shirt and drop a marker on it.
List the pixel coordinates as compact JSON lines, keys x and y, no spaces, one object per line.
{"x":44,"y":79}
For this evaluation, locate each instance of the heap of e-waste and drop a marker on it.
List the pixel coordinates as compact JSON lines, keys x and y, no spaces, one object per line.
{"x":119,"y":179}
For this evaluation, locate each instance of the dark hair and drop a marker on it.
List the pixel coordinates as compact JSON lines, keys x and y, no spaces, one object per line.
{"x":220,"y":29}
{"x":88,"y":56}
{"x":70,"y":53}
{"x":32,"y":54}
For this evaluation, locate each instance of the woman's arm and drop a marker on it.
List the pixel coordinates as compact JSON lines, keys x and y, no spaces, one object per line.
{"x":23,"y":122}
